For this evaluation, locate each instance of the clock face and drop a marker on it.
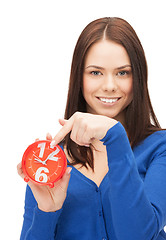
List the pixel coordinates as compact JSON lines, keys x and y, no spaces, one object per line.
{"x":43,"y":164}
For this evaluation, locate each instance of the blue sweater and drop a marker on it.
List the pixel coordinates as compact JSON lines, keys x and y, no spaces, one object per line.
{"x":129,"y":204}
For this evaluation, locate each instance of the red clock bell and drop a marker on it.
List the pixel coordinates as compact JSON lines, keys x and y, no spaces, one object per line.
{"x":43,"y":164}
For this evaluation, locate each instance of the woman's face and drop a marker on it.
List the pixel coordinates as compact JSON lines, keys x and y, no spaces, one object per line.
{"x":107,"y":80}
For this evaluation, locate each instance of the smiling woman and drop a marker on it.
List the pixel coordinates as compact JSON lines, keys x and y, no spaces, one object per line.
{"x":114,"y":146}
{"x":114,"y":43}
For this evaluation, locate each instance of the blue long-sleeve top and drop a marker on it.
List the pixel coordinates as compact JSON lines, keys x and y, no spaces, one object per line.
{"x":129,"y":204}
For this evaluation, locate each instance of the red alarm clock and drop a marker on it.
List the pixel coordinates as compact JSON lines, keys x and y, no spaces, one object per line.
{"x":43,"y":164}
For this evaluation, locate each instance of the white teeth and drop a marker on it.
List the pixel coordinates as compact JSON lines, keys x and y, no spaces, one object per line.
{"x":109,"y":100}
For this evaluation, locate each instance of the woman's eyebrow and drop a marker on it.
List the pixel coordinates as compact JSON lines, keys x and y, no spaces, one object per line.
{"x":94,"y":66}
{"x":124,"y":66}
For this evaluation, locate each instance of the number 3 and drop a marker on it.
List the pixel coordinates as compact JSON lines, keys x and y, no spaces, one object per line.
{"x":41,"y":177}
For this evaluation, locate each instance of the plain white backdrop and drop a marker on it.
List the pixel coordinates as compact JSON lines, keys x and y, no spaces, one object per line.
{"x":37,"y":39}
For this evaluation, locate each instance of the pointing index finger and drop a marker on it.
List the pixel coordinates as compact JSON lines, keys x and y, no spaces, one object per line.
{"x":62,"y":132}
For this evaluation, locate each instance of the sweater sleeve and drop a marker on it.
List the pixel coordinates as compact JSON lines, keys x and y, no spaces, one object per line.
{"x":138,"y":208}
{"x":37,"y":224}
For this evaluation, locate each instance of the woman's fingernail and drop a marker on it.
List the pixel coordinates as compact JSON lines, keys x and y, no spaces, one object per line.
{"x":48,"y":134}
{"x":52,"y":144}
{"x":69,"y":170}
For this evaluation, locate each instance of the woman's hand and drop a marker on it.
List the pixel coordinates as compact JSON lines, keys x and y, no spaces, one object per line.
{"x":49,"y":199}
{"x":84,"y":128}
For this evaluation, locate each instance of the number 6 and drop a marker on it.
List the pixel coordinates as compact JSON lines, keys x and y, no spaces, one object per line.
{"x":41,"y":177}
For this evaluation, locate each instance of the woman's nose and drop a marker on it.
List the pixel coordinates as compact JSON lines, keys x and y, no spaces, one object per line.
{"x":109,"y":83}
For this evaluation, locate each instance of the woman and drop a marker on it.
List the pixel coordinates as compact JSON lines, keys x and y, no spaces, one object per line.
{"x":114,"y":144}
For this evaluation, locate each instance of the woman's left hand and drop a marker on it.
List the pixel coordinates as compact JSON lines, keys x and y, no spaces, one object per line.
{"x":84,"y":128}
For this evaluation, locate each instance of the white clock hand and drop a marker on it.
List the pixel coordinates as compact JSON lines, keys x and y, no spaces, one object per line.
{"x":40,"y":161}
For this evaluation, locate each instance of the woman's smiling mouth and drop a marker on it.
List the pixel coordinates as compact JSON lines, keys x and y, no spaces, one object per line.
{"x":108,"y":100}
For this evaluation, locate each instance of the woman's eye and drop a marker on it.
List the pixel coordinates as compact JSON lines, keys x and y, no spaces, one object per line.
{"x":122,"y":73}
{"x":96,"y":73}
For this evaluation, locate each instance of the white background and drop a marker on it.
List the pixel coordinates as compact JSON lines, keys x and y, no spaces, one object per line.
{"x":37,"y":40}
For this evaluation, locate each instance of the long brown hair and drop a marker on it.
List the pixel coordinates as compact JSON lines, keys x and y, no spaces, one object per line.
{"x":139,"y":115}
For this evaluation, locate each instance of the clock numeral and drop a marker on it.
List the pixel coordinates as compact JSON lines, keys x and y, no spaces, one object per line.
{"x":42,"y":148}
{"x":41,"y":176}
{"x":52,"y":155}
